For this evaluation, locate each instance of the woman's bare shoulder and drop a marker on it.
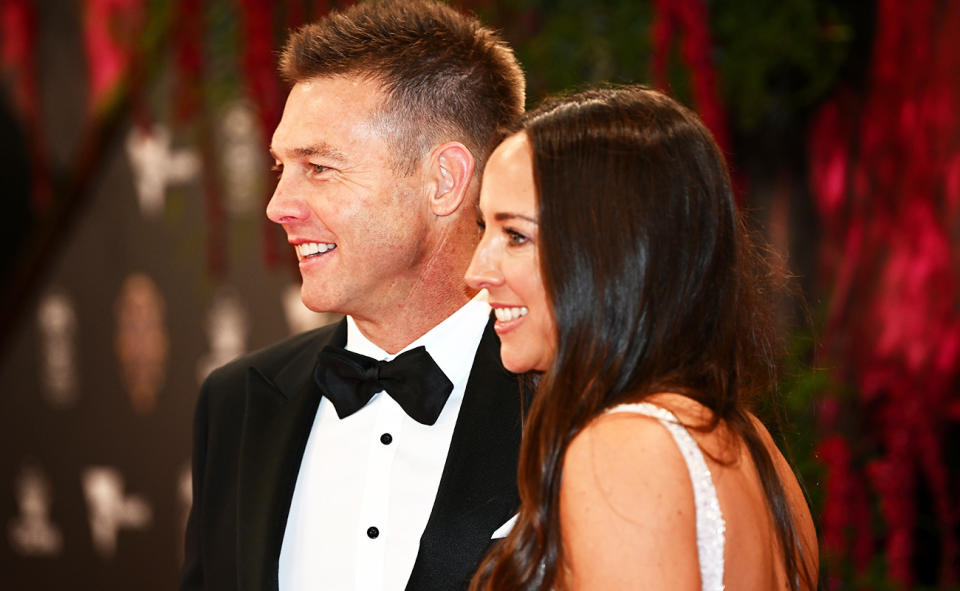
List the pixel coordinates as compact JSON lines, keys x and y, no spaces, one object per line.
{"x":617,"y":454}
{"x":626,"y":506}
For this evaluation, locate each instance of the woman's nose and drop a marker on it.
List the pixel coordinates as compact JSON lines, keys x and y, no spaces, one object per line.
{"x":483,"y":271}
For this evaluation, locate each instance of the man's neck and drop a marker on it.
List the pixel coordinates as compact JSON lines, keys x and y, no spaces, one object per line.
{"x":436,"y":290}
{"x":394,"y":330}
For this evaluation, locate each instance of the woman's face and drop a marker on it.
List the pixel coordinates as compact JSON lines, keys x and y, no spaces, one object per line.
{"x":506,"y":262}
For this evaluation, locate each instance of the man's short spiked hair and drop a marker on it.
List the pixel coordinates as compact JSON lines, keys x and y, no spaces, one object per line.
{"x":444,"y":75}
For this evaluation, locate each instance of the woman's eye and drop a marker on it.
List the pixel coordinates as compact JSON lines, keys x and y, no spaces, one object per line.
{"x":515,"y":238}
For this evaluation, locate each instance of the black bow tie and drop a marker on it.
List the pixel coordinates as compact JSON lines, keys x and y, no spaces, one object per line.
{"x":412,"y":378}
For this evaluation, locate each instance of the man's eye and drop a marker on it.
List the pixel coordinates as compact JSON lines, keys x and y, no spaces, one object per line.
{"x":318,"y":169}
{"x":481,"y":226}
{"x":278,"y":169}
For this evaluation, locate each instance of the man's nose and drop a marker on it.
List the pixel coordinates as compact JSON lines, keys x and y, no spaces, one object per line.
{"x":285,"y":206}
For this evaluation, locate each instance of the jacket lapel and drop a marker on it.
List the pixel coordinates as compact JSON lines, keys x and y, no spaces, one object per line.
{"x":478,"y":488}
{"x":279,"y":414}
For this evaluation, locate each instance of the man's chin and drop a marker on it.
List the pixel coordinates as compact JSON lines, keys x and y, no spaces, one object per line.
{"x":318,"y":300}
{"x":299,"y":315}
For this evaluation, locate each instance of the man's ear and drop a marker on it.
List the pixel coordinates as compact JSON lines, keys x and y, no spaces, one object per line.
{"x":450,"y":167}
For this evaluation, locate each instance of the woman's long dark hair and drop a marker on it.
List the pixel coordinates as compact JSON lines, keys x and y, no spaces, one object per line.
{"x":654,"y":286}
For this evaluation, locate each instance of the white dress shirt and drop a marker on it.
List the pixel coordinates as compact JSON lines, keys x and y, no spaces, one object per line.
{"x":367,"y":483}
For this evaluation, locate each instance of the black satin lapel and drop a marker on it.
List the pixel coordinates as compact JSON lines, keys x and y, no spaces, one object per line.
{"x":275,"y":434}
{"x":478,"y":489}
{"x":278,"y":418}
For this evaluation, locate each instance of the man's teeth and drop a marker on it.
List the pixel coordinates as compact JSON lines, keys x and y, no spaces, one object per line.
{"x":508,"y":314}
{"x":308,"y":249}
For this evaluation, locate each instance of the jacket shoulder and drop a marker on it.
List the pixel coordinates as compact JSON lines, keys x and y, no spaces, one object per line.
{"x":271,"y":360}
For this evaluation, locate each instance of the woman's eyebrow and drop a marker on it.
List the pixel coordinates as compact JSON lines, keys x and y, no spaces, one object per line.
{"x":504,"y":216}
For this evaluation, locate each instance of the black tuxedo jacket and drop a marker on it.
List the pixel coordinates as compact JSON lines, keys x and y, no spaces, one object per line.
{"x":252,"y":421}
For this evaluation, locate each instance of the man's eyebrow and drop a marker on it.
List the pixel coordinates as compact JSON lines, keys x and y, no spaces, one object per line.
{"x":323,"y":150}
{"x":505,"y":216}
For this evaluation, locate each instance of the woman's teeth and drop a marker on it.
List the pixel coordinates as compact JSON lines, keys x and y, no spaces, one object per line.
{"x":508,"y":314}
{"x":309,"y":249}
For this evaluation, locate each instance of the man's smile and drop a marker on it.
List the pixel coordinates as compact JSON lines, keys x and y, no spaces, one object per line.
{"x":307,"y":250}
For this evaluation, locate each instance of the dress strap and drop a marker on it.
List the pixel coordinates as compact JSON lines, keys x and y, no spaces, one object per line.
{"x":710,"y":524}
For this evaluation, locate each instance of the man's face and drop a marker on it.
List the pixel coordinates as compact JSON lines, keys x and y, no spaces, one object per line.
{"x":360,"y":230}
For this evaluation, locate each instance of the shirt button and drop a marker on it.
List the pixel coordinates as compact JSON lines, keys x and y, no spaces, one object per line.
{"x":386,"y":439}
{"x":372,"y":533}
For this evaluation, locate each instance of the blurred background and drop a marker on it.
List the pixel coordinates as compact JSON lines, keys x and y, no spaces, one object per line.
{"x":137,"y":256}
